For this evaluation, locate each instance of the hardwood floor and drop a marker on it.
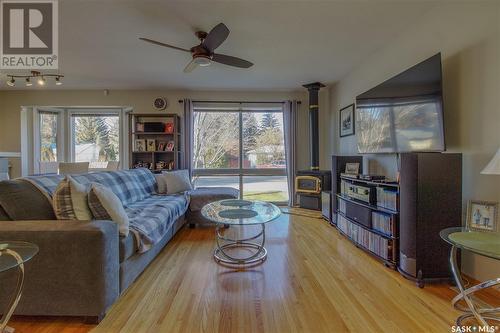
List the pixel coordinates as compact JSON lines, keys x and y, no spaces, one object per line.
{"x":314,"y":280}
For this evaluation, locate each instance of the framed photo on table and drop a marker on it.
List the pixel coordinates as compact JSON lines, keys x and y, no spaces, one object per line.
{"x":482,"y":216}
{"x":346,"y":121}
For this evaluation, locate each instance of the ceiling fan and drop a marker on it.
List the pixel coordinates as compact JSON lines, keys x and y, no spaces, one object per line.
{"x":203,"y":54}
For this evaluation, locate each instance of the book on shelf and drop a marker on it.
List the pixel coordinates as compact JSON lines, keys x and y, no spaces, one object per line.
{"x":367,"y":239}
{"x":383,"y":223}
{"x":387,"y":198}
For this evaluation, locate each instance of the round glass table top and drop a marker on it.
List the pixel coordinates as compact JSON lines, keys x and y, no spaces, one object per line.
{"x":484,"y":243}
{"x":243,"y":213}
{"x":25,"y":250}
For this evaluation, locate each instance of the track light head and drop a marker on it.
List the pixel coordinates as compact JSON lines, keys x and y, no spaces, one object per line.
{"x":58,"y":81}
{"x":11,"y":82}
{"x":28,"y":82}
{"x":41,"y":81}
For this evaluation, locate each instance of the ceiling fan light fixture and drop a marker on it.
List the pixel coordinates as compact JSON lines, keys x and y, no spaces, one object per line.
{"x":202,"y":61}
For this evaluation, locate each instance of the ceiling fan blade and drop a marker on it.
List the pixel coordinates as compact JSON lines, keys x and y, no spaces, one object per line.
{"x":190,"y":67}
{"x":231,"y":61}
{"x":163,"y":44}
{"x":215,"y":37}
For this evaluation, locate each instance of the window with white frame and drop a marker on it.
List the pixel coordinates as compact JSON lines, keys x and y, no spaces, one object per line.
{"x":241,"y":145}
{"x":95,"y":135}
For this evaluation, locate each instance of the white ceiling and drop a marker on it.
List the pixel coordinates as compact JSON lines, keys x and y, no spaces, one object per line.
{"x":290,"y":42}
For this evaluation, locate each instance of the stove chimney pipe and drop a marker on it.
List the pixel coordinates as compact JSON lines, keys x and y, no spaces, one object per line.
{"x":313,"y":122}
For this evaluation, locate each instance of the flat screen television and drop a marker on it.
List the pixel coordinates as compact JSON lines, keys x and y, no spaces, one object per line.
{"x":404,"y":113}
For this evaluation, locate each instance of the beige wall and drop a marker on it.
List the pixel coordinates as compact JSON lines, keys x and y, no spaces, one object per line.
{"x":468,"y":36}
{"x":141,"y":101}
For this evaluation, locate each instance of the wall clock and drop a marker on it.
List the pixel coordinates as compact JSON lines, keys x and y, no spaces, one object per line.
{"x":160,"y":103}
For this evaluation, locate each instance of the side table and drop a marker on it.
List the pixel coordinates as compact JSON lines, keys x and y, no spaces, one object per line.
{"x":13,"y":254}
{"x":481,"y":243}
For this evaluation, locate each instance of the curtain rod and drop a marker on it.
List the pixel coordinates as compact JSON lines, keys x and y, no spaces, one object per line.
{"x":236,"y":102}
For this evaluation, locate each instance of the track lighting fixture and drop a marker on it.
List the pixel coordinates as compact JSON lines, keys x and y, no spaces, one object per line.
{"x":40,"y":79}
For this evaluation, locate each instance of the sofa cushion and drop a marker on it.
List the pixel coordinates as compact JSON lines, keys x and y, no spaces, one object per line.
{"x":105,"y":205}
{"x":151,"y":218}
{"x":128,"y":247}
{"x":70,"y":201}
{"x":128,"y":185}
{"x":3,"y":215}
{"x":205,"y":195}
{"x":22,"y":201}
{"x":172,"y":182}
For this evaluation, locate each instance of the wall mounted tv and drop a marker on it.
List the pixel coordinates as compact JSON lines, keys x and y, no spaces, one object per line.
{"x":404,"y":113}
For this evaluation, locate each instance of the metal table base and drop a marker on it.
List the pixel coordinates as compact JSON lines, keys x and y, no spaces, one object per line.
{"x":258,"y":251}
{"x":17,"y":296}
{"x":473,"y":310}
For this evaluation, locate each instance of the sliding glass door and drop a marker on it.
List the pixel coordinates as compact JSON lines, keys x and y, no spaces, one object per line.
{"x":241,"y":146}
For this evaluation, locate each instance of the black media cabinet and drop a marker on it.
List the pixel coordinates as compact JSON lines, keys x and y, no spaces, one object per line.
{"x":403,"y":234}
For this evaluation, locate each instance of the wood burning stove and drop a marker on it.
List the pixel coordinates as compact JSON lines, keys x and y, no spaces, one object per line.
{"x":310,"y":183}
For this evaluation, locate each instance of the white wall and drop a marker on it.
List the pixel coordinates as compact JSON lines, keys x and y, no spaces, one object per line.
{"x":468,"y":37}
{"x":141,"y":101}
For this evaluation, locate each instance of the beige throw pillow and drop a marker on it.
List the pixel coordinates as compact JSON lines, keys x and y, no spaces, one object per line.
{"x":174,"y":182}
{"x":70,"y":201}
{"x":105,"y":205}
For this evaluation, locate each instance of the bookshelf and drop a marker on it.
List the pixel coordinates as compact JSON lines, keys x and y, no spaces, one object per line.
{"x":371,"y":226}
{"x":155,"y":141}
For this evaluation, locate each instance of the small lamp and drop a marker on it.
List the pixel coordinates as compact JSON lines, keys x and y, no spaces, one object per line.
{"x":493,"y":168}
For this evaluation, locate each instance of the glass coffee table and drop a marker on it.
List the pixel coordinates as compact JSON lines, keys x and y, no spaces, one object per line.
{"x":485,"y":244}
{"x":13,"y":254}
{"x":241,"y":213}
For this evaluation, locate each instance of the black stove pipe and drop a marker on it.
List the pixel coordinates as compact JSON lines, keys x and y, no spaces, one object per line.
{"x":313,"y":122}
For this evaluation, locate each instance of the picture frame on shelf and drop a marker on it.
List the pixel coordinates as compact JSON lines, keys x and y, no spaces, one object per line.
{"x":347,"y":121}
{"x":151,"y":145}
{"x":169,"y":127}
{"x":139,"y":127}
{"x":170,"y":146}
{"x":161,"y":146}
{"x":352,"y":168}
{"x":140,"y":145}
{"x":482,"y":216}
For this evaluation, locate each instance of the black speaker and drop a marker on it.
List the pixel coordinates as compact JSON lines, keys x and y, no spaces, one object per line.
{"x":430,"y":200}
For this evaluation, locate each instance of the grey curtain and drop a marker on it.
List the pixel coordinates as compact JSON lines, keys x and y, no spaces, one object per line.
{"x":290,"y":113}
{"x":188,"y":135}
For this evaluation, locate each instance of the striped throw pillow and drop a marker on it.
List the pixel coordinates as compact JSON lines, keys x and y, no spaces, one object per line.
{"x":70,"y":201}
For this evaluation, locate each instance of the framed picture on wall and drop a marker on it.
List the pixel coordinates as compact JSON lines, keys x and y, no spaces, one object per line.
{"x":346,"y":121}
{"x":482,"y":215}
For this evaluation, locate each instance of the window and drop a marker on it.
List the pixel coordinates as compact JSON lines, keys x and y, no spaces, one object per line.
{"x":57,"y":134}
{"x":48,"y":136}
{"x":242,"y":146}
{"x":95,"y":138}
{"x":215,"y":141}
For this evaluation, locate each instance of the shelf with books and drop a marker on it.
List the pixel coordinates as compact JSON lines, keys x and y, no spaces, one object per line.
{"x":155,"y":141}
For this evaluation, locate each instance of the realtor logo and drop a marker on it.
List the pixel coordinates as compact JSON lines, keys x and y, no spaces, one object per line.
{"x":29,"y":34}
